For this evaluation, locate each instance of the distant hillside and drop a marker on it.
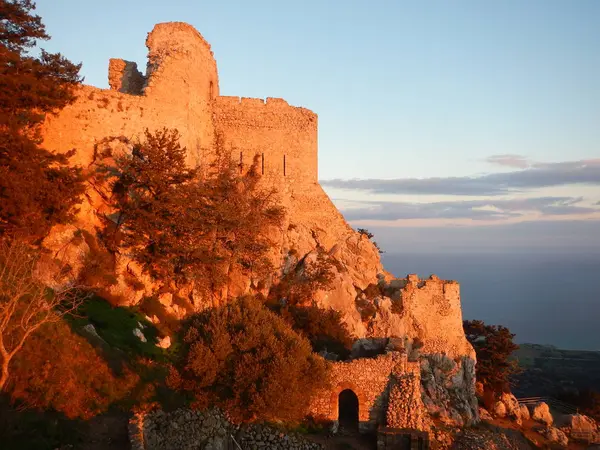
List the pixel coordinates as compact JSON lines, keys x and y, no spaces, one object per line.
{"x":555,"y":372}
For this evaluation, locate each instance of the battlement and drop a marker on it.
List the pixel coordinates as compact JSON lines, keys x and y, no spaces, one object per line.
{"x":270,"y":102}
{"x":413,"y":279}
{"x":180,"y":89}
{"x":234,"y":100}
{"x":284,"y":136}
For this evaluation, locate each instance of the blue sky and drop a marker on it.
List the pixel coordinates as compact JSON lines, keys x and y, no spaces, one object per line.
{"x":449,"y":114}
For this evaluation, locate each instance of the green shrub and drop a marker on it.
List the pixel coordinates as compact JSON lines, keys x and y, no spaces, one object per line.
{"x":248,"y":361}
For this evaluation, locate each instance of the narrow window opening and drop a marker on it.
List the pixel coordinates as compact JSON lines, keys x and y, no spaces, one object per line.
{"x":262,"y":163}
{"x":241,"y":162}
{"x":211,"y":93}
{"x":284,"y":165}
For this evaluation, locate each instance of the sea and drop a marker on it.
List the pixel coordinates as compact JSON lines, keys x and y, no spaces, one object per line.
{"x":544,"y":298}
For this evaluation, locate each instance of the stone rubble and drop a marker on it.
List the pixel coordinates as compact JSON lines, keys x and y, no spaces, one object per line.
{"x":187,"y":429}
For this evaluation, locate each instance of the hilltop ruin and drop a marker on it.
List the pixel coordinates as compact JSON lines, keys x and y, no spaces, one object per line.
{"x":180,"y":89}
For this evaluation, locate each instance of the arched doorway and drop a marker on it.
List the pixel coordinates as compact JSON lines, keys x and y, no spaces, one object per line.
{"x":348,"y":410}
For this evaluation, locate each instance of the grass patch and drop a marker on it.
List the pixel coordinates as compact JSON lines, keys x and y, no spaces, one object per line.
{"x":115,"y":325}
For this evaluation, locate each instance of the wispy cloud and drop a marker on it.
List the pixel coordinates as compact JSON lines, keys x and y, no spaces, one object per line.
{"x":478,"y":210}
{"x":536,"y":175}
{"x":508,"y":160}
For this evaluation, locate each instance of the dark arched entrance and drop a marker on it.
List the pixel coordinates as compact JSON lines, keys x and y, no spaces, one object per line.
{"x":348,"y":410}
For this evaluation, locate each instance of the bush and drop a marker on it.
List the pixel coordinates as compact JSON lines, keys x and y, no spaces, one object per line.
{"x":246,"y":360}
{"x":322,"y":327}
{"x":59,"y":370}
{"x":365,"y":232}
{"x":493,"y":345}
{"x":299,"y":286}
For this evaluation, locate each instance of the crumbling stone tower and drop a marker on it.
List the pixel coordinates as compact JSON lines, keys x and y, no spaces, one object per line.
{"x":180,"y":89}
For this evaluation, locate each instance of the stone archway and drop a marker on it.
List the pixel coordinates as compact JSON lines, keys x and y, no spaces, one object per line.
{"x":353,"y":401}
{"x":348,"y":410}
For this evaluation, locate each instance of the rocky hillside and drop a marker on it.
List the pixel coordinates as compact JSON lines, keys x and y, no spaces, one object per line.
{"x":374,"y":304}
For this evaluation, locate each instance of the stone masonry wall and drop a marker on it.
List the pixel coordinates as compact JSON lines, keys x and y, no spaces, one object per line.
{"x":275,"y":130}
{"x":180,"y":85}
{"x":369,"y":379}
{"x":188,"y":429}
{"x":430,"y":311}
{"x":405,"y":406}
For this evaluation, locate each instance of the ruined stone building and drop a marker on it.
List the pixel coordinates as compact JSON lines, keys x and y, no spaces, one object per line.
{"x":180,"y":89}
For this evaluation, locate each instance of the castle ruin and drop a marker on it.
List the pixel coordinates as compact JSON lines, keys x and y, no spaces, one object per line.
{"x":180,"y":90}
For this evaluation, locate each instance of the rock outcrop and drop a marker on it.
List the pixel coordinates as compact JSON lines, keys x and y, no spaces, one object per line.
{"x":448,"y":388}
{"x":180,"y":90}
{"x":555,"y":436}
{"x":541,"y":413}
{"x":508,"y":406}
{"x":581,"y":428}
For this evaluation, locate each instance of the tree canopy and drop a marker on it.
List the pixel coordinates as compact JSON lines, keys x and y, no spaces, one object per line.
{"x":493,"y":345}
{"x":186,"y":227}
{"x":37,"y":187}
{"x":247,"y":360}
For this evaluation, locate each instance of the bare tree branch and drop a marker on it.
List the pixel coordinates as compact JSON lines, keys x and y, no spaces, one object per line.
{"x":26,"y":304}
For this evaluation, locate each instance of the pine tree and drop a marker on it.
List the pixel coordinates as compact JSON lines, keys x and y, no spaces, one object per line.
{"x":37,"y":187}
{"x":493,"y":345}
{"x":182,"y":228}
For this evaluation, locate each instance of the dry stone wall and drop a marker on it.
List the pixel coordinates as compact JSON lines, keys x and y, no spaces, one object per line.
{"x":405,"y":406}
{"x":188,"y":429}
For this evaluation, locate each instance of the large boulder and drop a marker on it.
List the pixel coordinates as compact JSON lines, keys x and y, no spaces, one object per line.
{"x":511,"y":403}
{"x":541,"y":413}
{"x":513,"y":409}
{"x":524,"y":412}
{"x":579,"y":422}
{"x":555,"y":436}
{"x":485,"y":415}
{"x":499,"y":409}
{"x":581,"y":428}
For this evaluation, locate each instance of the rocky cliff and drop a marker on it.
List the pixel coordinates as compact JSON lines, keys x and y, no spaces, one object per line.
{"x":180,"y":90}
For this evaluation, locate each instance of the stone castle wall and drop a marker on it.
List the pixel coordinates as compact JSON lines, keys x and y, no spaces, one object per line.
{"x":275,"y":131}
{"x":430,"y":311}
{"x":181,"y":90}
{"x":369,"y":379}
